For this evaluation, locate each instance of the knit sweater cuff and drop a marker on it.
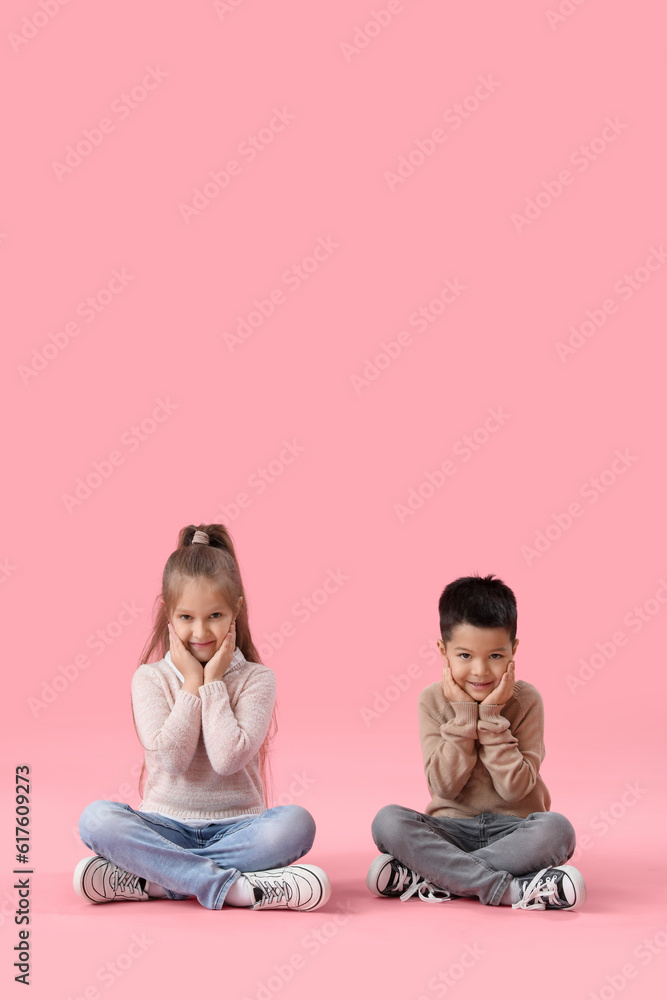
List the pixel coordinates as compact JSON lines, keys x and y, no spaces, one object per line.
{"x":465,"y":718}
{"x":190,"y":700}
{"x":491,"y":713}
{"x":214,"y":689}
{"x":464,"y":711}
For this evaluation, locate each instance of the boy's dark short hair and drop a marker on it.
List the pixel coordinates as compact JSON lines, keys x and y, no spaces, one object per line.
{"x":484,"y":602}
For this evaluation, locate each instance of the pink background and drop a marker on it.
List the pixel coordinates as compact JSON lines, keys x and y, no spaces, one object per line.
{"x":362,"y":450}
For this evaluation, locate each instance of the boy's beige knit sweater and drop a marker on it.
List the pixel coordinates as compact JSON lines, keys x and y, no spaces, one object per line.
{"x":202,"y":752}
{"x":483,"y":758}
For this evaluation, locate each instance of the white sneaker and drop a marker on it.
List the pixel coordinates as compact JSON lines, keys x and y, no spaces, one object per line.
{"x":559,"y":888}
{"x":295,"y":887}
{"x":100,"y":881}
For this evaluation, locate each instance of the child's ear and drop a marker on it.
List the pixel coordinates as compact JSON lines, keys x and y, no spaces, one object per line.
{"x":514,"y":645}
{"x":441,"y":646}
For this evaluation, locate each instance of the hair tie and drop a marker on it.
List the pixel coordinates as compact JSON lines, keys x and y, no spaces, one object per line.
{"x":201,"y":537}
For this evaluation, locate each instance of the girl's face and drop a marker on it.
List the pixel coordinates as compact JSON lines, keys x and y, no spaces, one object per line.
{"x":202,"y":618}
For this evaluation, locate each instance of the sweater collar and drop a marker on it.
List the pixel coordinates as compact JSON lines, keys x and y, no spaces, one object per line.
{"x":237,"y":659}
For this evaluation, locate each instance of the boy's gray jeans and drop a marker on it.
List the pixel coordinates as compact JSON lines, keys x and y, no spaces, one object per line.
{"x":477,"y":856}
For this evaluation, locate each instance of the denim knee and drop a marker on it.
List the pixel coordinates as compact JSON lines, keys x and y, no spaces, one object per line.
{"x":96,"y":819}
{"x":386,"y":824}
{"x":302,"y":825}
{"x":291,"y":827}
{"x":560,"y":832}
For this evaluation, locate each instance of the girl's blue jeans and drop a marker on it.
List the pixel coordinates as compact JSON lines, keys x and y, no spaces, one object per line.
{"x":476,"y":856}
{"x":202,"y":861}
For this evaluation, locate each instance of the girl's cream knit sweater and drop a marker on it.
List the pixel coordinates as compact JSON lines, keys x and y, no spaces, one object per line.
{"x":202,"y":752}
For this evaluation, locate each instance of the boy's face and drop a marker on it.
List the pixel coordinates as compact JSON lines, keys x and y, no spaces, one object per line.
{"x":478,"y":657}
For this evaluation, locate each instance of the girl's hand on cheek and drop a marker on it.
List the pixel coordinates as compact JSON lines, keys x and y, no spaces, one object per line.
{"x":217,"y":666}
{"x":183,"y":659}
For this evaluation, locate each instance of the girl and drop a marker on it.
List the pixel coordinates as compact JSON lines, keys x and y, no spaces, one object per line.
{"x":204,"y":713}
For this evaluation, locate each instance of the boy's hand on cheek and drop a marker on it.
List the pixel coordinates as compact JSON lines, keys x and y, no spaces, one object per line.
{"x":505,"y":689}
{"x":450,"y":688}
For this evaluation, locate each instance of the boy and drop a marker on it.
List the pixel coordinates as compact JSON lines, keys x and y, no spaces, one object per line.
{"x":488,"y":831}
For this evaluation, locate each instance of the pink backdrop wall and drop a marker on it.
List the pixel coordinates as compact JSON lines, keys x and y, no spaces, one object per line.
{"x":381,"y":288}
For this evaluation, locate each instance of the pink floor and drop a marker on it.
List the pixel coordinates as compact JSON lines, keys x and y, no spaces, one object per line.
{"x":359,"y":944}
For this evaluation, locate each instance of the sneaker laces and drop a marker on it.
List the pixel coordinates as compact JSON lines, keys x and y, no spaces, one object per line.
{"x":427,"y":891}
{"x":401,"y":876}
{"x":539,"y":892}
{"x":125,"y":881}
{"x":273,"y":889}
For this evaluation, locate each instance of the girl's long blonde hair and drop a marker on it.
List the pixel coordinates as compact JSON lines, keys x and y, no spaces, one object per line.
{"x":217,"y":563}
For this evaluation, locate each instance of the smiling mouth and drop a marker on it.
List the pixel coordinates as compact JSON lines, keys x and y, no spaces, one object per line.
{"x":479,"y":684}
{"x":202,"y":643}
